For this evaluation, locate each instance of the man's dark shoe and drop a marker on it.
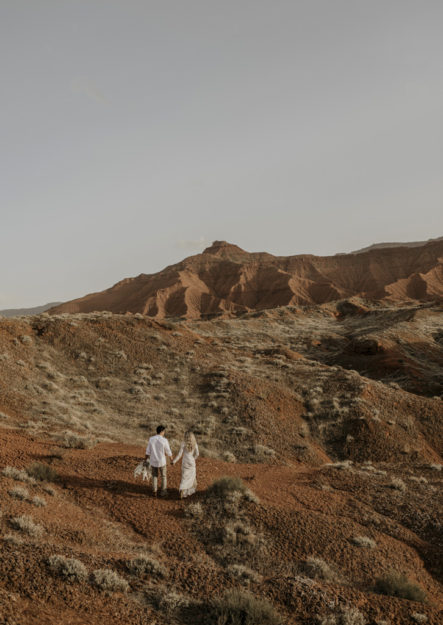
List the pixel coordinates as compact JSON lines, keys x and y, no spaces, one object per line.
{"x":154,"y":493}
{"x":163,"y":493}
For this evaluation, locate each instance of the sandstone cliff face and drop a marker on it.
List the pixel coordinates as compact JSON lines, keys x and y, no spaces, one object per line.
{"x":225,"y":279}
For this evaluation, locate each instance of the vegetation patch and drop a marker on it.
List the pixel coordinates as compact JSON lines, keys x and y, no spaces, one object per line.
{"x":146,"y":565}
{"x":26,"y":524}
{"x":70,"y":569}
{"x":346,"y":616}
{"x":108,"y":580}
{"x":42,"y":472}
{"x":395,"y":585}
{"x":364,"y":541}
{"x":19,"y":493}
{"x":317,"y":568}
{"x":242,"y":608}
{"x":225,"y":487}
{"x":20,"y":475}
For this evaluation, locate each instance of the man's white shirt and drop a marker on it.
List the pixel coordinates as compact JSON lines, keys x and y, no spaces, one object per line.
{"x":157,"y":450}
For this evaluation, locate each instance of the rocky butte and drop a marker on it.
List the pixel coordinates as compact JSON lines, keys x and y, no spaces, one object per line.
{"x":225,"y":279}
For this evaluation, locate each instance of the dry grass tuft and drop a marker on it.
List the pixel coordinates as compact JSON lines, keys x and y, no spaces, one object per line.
{"x":418,"y":617}
{"x":347,"y":616}
{"x":194,"y":511}
{"x":39,"y":501}
{"x":244,"y":574}
{"x":13,"y":539}
{"x":109,"y":581}
{"x":26,"y":524}
{"x":395,"y":585}
{"x":317,"y":568}
{"x":146,"y":565}
{"x":364,"y":541}
{"x":398,"y":484}
{"x":42,"y":472}
{"x":19,"y":493}
{"x":238,"y":607}
{"x":74,"y":441}
{"x":19,"y":475}
{"x":225,"y":487}
{"x":70,"y":569}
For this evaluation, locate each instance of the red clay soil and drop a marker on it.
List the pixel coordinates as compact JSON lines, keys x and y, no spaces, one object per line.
{"x":100,"y":514}
{"x":225,"y":280}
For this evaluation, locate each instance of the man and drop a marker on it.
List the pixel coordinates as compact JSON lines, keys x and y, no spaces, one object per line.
{"x":156,"y":452}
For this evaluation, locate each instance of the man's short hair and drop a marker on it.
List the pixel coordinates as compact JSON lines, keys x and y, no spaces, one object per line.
{"x":160,"y":429}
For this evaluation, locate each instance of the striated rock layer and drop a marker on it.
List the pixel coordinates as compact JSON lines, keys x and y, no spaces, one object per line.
{"x":225,"y":279}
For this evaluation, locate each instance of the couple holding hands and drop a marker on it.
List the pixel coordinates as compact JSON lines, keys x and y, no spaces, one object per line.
{"x":156,"y":452}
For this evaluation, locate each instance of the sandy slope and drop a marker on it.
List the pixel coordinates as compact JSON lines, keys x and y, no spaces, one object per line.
{"x":331,"y":416}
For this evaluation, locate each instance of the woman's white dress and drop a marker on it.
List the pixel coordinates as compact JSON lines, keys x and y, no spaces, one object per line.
{"x":188,"y":484}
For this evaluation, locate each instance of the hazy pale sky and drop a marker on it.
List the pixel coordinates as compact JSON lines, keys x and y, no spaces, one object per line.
{"x":134,"y":132}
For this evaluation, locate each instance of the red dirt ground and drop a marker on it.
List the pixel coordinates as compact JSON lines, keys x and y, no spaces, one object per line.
{"x":296,"y":515}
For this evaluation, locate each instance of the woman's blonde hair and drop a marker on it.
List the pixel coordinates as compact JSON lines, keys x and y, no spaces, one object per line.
{"x":190,"y":442}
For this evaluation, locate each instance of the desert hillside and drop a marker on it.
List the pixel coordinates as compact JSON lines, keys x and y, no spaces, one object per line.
{"x":226,"y":280}
{"x":326,"y":421}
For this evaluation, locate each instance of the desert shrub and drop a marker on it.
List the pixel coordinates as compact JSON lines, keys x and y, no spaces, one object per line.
{"x":19,"y":493}
{"x":74,"y":441}
{"x":13,"y":539}
{"x":194,"y":511}
{"x":395,"y":585}
{"x":419,"y":618}
{"x":50,"y":490}
{"x":398,"y":484}
{"x":225,"y":486}
{"x":346,"y":616}
{"x":244,"y":573}
{"x":261,"y":451}
{"x":344,"y":465}
{"x":316,"y":568}
{"x":146,"y":565}
{"x":108,"y":580}
{"x":241,"y":608}
{"x":42,"y":472}
{"x":26,"y":524}
{"x":228,"y":456}
{"x":238,"y":533}
{"x":172,"y":601}
{"x":38,"y":501}
{"x":17,"y":474}
{"x":364,"y":541}
{"x":69,"y":569}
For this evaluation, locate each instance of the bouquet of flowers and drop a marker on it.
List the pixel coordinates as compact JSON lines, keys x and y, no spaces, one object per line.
{"x":142,"y":469}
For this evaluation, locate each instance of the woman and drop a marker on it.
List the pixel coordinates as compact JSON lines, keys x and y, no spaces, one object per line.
{"x":189,"y":451}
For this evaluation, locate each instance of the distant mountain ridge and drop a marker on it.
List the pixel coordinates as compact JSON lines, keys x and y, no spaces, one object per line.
{"x":225,"y":279}
{"x":36,"y":310}
{"x":380,"y":246}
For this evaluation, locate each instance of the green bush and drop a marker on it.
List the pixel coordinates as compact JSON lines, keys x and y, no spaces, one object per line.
{"x":395,"y":585}
{"x":242,"y":608}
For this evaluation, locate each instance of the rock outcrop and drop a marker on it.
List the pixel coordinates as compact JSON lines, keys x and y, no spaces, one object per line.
{"x":225,"y":279}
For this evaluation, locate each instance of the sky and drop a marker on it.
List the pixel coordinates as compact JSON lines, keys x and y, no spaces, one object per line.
{"x":133,"y":133}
